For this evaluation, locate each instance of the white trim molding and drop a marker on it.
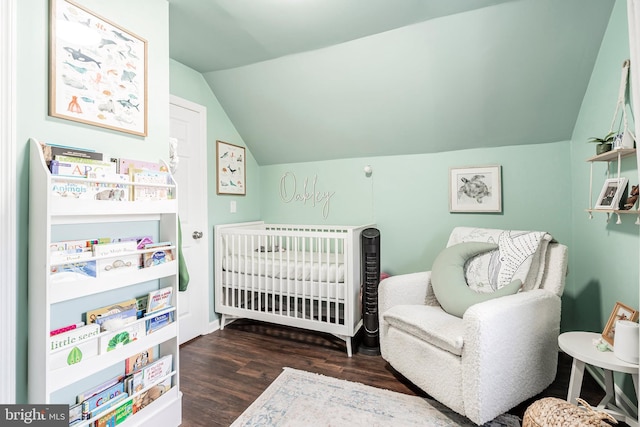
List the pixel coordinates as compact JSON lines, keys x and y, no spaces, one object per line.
{"x":8,"y":201}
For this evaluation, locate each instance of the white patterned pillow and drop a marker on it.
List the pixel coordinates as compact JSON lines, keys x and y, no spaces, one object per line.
{"x":520,"y":255}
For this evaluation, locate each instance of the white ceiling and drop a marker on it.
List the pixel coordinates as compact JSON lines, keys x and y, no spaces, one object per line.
{"x":306,"y":80}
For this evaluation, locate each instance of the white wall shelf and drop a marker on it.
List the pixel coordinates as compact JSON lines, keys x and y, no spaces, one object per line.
{"x":49,"y":296}
{"x":610,"y":156}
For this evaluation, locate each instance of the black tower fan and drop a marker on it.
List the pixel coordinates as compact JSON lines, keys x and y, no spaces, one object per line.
{"x":370,"y":261}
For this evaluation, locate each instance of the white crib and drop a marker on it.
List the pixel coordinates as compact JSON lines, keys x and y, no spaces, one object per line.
{"x":295,"y":275}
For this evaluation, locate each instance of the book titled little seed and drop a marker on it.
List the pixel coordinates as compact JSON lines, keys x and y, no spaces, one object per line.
{"x":74,"y":336}
{"x":74,"y":346}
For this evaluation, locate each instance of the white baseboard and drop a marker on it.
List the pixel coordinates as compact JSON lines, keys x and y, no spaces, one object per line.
{"x":213,"y":326}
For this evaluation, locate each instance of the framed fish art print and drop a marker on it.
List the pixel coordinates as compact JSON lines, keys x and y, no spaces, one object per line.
{"x":97,"y":70}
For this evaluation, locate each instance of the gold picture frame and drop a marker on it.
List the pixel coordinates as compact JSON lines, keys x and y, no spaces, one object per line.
{"x":231,"y":172}
{"x":97,"y":70}
{"x":620,"y":312}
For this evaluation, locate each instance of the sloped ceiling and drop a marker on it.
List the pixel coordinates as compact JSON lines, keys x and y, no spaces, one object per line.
{"x":308,"y":80}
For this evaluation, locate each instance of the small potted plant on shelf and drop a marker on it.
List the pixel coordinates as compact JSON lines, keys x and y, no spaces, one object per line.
{"x":604,"y":144}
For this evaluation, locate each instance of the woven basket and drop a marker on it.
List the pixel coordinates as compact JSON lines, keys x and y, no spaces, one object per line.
{"x":553,"y":412}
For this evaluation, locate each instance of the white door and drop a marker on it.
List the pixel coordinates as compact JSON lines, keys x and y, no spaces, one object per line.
{"x":188,"y":126}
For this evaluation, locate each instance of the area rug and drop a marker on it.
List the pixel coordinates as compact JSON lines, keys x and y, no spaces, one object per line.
{"x":299,"y":398}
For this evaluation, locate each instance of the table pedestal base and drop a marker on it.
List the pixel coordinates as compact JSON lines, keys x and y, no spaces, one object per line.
{"x":608,"y":403}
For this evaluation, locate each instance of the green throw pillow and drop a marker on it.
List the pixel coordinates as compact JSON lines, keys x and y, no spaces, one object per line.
{"x":449,"y":284}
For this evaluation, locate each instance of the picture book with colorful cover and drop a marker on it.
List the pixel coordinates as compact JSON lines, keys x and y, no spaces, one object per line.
{"x":138,"y":361}
{"x":98,"y":388}
{"x":65,"y":245}
{"x":150,"y":259}
{"x":159,"y":321}
{"x":111,"y":186}
{"x":101,"y":398}
{"x":130,"y":333}
{"x":159,"y":299}
{"x":79,"y":168}
{"x":50,"y":151}
{"x":124,"y":165}
{"x":92,"y":315}
{"x":108,"y":405}
{"x":115,"y":321}
{"x":145,"y":398}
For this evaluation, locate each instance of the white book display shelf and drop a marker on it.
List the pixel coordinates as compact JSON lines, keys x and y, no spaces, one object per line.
{"x":53,"y":302}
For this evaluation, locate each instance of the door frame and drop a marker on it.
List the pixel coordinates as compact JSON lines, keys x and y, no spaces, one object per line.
{"x":8,"y":194}
{"x":205,"y":294}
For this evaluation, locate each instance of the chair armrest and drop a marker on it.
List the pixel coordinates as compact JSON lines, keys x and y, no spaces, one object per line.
{"x":510,"y":351}
{"x":400,"y":290}
{"x":403,"y":289}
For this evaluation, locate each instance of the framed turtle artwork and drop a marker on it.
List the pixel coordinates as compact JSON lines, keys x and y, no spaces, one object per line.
{"x":475,"y":189}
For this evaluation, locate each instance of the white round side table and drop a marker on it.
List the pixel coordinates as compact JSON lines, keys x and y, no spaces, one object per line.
{"x":579,"y":345}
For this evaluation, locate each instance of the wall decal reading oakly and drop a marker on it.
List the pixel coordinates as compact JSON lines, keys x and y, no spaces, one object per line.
{"x":289,"y":192}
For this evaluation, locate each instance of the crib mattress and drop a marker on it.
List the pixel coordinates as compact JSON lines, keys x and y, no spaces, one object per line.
{"x":288,"y":265}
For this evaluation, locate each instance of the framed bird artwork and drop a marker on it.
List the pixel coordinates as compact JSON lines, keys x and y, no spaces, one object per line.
{"x":231,"y":173}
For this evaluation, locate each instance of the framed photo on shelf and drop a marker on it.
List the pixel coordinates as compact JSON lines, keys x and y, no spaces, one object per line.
{"x":612,"y":192}
{"x":620,"y":312}
{"x":475,"y":189}
{"x":231,"y":172}
{"x":97,"y":70}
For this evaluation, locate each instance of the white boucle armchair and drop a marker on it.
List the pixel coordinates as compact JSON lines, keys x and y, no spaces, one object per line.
{"x":499,"y":354}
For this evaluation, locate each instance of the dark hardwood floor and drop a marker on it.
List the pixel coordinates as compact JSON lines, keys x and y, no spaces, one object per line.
{"x":222,"y":373}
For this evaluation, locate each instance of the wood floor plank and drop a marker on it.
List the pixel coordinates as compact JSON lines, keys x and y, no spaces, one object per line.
{"x":222,"y":373}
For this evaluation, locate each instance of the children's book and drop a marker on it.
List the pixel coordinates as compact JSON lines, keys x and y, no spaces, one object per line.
{"x":153,"y":372}
{"x":159,"y":299}
{"x":65,"y":328}
{"x":142,"y":192}
{"x":73,"y":337}
{"x":118,"y":320}
{"x":92,"y":315}
{"x":80,"y":167}
{"x":75,"y":413}
{"x":138,"y":361}
{"x":98,"y":388}
{"x":108,"y":405}
{"x":101,"y":398}
{"x":150,"y":259}
{"x":50,"y":152}
{"x":123,"y":165}
{"x":130,"y":333}
{"x":159,"y":321}
{"x":73,"y":271}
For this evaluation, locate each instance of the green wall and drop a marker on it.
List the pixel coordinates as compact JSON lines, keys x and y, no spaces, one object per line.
{"x":407,"y":197}
{"x":147,"y":19}
{"x":604,"y":255}
{"x":188,"y":84}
